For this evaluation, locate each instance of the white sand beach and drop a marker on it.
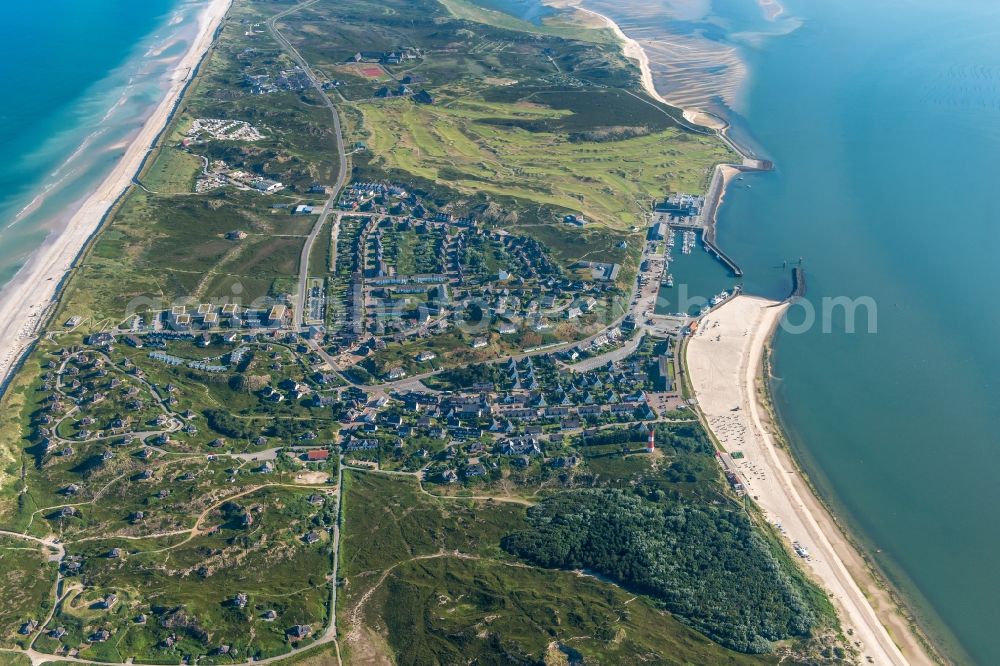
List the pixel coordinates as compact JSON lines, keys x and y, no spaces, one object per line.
{"x":25,"y":301}
{"x":724,"y":363}
{"x":693,"y":73}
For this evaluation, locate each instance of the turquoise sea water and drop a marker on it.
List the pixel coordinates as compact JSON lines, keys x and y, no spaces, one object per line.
{"x":883,"y":119}
{"x":78,"y":80}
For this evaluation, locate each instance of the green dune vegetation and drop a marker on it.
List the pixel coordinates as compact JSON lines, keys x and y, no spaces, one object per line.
{"x":219,"y":490}
{"x":516,"y":123}
{"x":575,"y":25}
{"x":427,"y":582}
{"x":707,"y":563}
{"x":603,"y":154}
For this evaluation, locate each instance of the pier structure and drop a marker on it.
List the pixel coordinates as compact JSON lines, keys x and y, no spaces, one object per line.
{"x":707,"y":217}
{"x":709,"y":244}
{"x":723,"y":257}
{"x":798,"y":283}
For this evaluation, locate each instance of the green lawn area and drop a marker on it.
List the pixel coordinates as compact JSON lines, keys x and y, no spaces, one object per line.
{"x":173,"y":172}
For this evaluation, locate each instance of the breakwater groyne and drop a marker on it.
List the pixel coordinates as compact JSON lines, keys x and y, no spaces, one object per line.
{"x":798,"y":283}
{"x":722,"y":256}
{"x":721,"y":176}
{"x":710,"y":246}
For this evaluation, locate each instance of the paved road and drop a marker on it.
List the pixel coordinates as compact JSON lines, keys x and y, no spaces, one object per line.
{"x":595,"y":362}
{"x":342,"y":171}
{"x":330,"y":631}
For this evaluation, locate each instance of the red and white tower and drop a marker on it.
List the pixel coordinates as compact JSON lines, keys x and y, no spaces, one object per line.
{"x":651,"y":444}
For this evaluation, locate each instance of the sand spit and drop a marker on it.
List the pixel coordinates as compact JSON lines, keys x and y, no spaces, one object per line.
{"x":724,"y":363}
{"x":687,"y":71}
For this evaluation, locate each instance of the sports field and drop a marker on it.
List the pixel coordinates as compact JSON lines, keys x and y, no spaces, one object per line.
{"x":370,"y":71}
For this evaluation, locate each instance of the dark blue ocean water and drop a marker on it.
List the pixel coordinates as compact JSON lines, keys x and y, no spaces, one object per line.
{"x":77,"y":80}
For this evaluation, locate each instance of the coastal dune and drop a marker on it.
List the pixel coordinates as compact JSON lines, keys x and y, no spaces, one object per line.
{"x":725,"y":364}
{"x":26,"y":301}
{"x":724,"y":361}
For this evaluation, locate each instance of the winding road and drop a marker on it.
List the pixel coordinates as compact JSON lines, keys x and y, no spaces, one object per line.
{"x":342,"y":171}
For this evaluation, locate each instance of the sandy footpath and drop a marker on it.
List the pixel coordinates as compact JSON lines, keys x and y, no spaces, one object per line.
{"x":24,"y":302}
{"x":724,"y":362}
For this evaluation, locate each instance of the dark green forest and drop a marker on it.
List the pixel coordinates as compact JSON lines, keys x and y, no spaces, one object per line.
{"x":705,"y":563}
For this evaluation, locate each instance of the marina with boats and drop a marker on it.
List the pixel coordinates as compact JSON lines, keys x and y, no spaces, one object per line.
{"x":691,"y":283}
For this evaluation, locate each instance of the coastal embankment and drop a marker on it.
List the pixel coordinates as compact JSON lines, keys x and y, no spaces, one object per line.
{"x":27,"y":300}
{"x":699,"y":119}
{"x":725,"y":365}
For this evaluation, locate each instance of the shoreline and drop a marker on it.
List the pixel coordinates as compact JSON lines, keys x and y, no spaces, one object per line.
{"x":28,"y":299}
{"x":722,"y":174}
{"x":860,"y":593}
{"x":889,"y":600}
{"x":725,"y":361}
{"x":634,"y":51}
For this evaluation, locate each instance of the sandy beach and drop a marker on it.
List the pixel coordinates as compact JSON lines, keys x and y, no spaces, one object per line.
{"x":630,"y":47}
{"x":26,"y":300}
{"x":724,"y":361}
{"x":687,"y":71}
{"x":724,"y":173}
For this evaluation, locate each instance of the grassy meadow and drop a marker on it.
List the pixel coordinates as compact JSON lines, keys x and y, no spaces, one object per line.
{"x":522,"y":149}
{"x":426,"y":582}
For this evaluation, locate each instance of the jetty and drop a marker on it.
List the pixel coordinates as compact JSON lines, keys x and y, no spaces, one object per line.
{"x":798,"y":283}
{"x":717,"y":189}
{"x":689,"y":213}
{"x":722,"y":256}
